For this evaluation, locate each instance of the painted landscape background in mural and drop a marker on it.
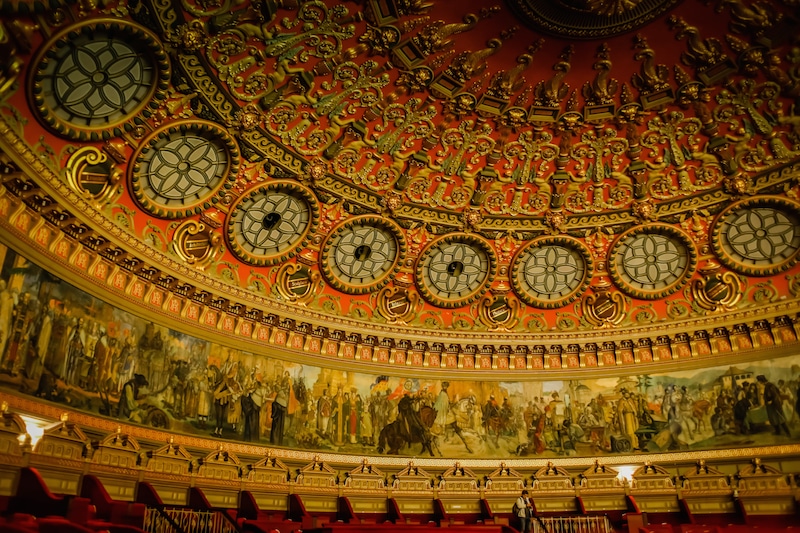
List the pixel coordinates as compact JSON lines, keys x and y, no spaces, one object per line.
{"x":63,"y":345}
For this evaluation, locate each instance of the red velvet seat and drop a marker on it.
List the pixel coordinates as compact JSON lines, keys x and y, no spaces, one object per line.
{"x":34,"y":498}
{"x":108,"y":509}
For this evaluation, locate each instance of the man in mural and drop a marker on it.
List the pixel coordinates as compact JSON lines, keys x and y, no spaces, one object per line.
{"x":251,"y":406}
{"x":627,"y":418}
{"x":409,"y":419}
{"x":21,"y":326}
{"x":77,"y":341}
{"x":223,"y":397}
{"x":774,"y":404}
{"x":128,"y":407}
{"x":442,"y":407}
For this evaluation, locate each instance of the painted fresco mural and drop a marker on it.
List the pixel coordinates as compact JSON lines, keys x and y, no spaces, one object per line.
{"x":62,"y":345}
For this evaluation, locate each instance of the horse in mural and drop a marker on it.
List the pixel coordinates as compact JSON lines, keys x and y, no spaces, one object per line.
{"x":409,"y":428}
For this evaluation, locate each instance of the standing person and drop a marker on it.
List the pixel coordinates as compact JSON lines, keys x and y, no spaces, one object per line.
{"x":524,"y":511}
{"x":279,"y":406}
{"x":774,"y":404}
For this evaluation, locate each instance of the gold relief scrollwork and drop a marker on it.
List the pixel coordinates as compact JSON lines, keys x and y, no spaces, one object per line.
{"x":90,"y":173}
{"x":196,"y":242}
{"x":716,"y":291}
{"x":298,"y":283}
{"x":398,"y":305}
{"x":601,"y":307}
{"x":498,"y":311}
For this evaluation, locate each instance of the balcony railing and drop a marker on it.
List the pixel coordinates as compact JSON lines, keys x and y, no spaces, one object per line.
{"x":175,"y":520}
{"x":572,"y":524}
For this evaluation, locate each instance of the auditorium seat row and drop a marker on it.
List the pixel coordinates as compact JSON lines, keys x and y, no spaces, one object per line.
{"x":34,"y":508}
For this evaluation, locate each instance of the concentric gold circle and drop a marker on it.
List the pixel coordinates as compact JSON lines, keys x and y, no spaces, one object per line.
{"x":91,"y":78}
{"x":184,"y":168}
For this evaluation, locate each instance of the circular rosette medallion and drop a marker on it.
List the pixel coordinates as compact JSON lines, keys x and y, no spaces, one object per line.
{"x":455,"y":270}
{"x":551,"y":272}
{"x":651,"y":262}
{"x":361,"y":254}
{"x":183,"y":169}
{"x":758,"y":237}
{"x":271,"y":224}
{"x":90,"y":78}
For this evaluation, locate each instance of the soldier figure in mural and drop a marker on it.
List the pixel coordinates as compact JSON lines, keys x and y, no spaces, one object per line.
{"x":410,"y":427}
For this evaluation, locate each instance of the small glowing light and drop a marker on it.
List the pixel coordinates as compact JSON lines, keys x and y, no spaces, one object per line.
{"x":35,"y":428}
{"x":625,"y":472}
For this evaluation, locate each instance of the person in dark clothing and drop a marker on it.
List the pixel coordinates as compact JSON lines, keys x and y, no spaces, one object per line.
{"x":773,"y":400}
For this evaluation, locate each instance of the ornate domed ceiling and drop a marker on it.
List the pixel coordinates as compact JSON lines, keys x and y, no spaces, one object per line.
{"x":531,"y":178}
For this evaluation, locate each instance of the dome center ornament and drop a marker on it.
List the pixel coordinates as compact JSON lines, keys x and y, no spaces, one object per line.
{"x":588,"y":19}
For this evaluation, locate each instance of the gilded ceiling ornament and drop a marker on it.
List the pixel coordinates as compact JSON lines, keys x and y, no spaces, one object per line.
{"x":297,"y":283}
{"x":398,"y":305}
{"x":498,"y":311}
{"x":197,"y":243}
{"x":749,"y":17}
{"x":758,"y":236}
{"x":551,"y":272}
{"x":506,"y":84}
{"x":93,"y":175}
{"x":362,"y":254}
{"x":472,"y":218}
{"x":588,"y":19}
{"x":652,"y":261}
{"x":189,"y":37}
{"x":702,"y":53}
{"x":387,"y":11}
{"x":550,"y":93}
{"x":392,"y":200}
{"x":555,"y":221}
{"x":92,"y":77}
{"x":247,"y":118}
{"x":455,"y":270}
{"x":611,"y":7}
{"x":653,"y":79}
{"x":601,"y":307}
{"x":14,"y":40}
{"x":644,"y":211}
{"x":435,"y":36}
{"x":271,"y":223}
{"x":603,"y":88}
{"x":717,"y":291}
{"x":689,"y":91}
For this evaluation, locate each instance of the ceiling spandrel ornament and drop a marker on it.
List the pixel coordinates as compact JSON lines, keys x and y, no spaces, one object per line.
{"x":91,"y":78}
{"x":758,"y":237}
